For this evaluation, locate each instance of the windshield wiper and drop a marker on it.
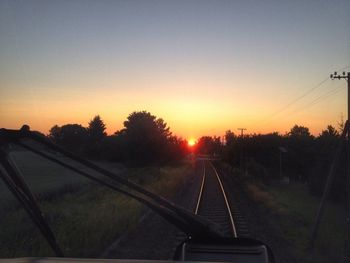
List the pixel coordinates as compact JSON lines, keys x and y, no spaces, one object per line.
{"x":193,"y":225}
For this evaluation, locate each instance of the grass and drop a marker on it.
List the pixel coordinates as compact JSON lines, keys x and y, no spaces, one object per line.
{"x":293,"y":209}
{"x":40,"y":174}
{"x":44,"y":176}
{"x":85,"y":219}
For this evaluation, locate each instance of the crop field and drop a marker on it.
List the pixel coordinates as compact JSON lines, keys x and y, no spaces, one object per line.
{"x":85,"y":217}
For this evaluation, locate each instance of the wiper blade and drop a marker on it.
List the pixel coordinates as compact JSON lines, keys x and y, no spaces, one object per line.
{"x":186,"y":221}
{"x":22,"y":193}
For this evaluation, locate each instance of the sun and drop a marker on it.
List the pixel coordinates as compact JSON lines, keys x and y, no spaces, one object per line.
{"x":191,"y":142}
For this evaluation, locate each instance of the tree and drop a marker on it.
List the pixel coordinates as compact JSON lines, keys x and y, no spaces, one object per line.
{"x":113,"y":148}
{"x":96,"y":129}
{"x":299,"y":131}
{"x":301,"y":152}
{"x":209,"y":145}
{"x":146,"y":137}
{"x":341,"y":123}
{"x":96,"y":134}
{"x":254,"y":151}
{"x":177,"y":148}
{"x":230,"y":149}
{"x":145,"y":121}
{"x":230,"y":137}
{"x":325,"y":147}
{"x":329,"y":132}
{"x":70,"y":136}
{"x":55,"y":134}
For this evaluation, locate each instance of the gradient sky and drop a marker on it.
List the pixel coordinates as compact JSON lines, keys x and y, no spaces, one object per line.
{"x":203,"y":66}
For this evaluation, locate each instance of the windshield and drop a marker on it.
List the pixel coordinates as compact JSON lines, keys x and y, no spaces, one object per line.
{"x":119,"y":115}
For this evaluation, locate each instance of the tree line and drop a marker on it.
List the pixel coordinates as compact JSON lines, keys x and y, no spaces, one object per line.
{"x":144,"y":140}
{"x":297,"y":154}
{"x":147,"y":140}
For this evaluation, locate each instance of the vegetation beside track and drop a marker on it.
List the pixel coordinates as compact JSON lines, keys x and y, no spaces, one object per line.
{"x":85,"y":217}
{"x":292,"y":209}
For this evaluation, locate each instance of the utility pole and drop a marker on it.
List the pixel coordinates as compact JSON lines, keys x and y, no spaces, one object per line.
{"x":242,"y":130}
{"x":346,"y":76}
{"x":344,"y":139}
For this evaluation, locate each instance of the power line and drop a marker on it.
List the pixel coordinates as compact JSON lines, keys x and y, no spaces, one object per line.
{"x":343,"y":68}
{"x":326,"y":95}
{"x":317,"y":100}
{"x":301,"y":96}
{"x":320,"y":98}
{"x":297,"y":99}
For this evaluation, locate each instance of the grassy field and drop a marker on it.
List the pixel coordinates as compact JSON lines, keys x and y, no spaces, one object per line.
{"x":44,"y":176}
{"x":293,"y":209}
{"x":85,"y":218}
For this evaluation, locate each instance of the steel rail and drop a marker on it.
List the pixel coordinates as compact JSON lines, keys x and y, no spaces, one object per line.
{"x":222,"y":190}
{"x":200,"y":192}
{"x":234,"y":231}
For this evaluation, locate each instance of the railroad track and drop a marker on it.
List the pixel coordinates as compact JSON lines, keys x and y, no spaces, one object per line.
{"x":214,"y":203}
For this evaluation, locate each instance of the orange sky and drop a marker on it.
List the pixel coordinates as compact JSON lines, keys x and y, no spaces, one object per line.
{"x":204,"y":68}
{"x":189,"y":112}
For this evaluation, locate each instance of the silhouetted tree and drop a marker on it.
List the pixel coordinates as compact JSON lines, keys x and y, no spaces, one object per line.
{"x":209,"y":145}
{"x":146,"y":138}
{"x":69,"y":136}
{"x":230,"y":149}
{"x":330,"y":132}
{"x":177,"y":148}
{"x":55,"y":134}
{"x":307,"y":159}
{"x":325,"y":147}
{"x":264,"y":150}
{"x":299,"y":131}
{"x":301,"y":152}
{"x":96,"y":133}
{"x":96,"y":129}
{"x":114,"y":148}
{"x":230,"y":137}
{"x":341,"y":124}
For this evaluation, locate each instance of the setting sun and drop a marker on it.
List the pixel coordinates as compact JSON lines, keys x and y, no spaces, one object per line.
{"x":191,"y":142}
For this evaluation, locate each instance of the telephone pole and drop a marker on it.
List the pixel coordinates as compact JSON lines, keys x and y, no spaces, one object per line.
{"x":346,"y":76}
{"x":242,"y":130}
